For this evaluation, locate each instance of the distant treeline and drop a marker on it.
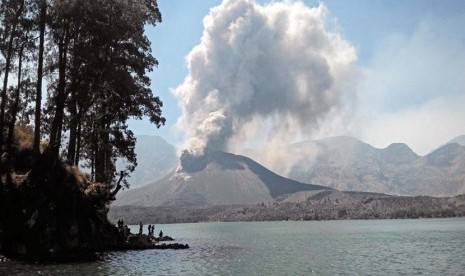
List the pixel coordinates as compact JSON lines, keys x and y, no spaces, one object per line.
{"x":330,"y":205}
{"x":91,"y":59}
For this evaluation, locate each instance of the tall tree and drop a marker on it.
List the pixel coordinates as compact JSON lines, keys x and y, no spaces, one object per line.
{"x":96,"y":58}
{"x":13,"y":20}
{"x":114,"y":57}
{"x":14,"y":112}
{"x":62,"y":39}
{"x":40,"y":65}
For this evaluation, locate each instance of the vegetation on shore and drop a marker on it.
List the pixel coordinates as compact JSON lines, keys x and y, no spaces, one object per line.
{"x":91,"y":58}
{"x":326,"y":205}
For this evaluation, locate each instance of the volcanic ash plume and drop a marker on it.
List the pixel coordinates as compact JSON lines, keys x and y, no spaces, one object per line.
{"x":262,"y":74}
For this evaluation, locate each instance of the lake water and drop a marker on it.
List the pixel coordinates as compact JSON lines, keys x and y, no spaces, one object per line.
{"x":368,"y":247}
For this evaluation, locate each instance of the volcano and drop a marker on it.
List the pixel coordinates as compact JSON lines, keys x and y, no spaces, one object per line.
{"x":215,"y":178}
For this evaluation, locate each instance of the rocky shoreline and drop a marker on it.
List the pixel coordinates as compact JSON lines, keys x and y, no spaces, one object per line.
{"x":144,"y":241}
{"x":53,"y":213}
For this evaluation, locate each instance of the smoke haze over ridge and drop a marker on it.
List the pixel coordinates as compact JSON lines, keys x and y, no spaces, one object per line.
{"x":263,"y":76}
{"x":409,"y":86}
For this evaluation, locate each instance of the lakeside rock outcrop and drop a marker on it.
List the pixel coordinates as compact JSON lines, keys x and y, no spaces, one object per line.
{"x":143,"y":241}
{"x":53,"y":213}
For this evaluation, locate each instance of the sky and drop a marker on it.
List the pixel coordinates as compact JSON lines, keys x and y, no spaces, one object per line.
{"x":381,"y":71}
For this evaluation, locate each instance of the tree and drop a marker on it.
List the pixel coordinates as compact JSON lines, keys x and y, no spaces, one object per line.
{"x":40,"y":65}
{"x":12,"y":11}
{"x":96,"y":58}
{"x":93,"y":57}
{"x":61,"y":37}
{"x":14,"y":112}
{"x":103,"y":58}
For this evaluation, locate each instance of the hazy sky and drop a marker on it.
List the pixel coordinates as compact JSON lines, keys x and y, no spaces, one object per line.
{"x":404,"y":81}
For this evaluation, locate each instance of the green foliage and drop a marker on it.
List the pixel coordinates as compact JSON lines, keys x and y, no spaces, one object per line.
{"x":96,"y":61}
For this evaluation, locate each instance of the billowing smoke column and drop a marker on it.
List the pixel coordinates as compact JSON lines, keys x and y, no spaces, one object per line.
{"x":262,"y":74}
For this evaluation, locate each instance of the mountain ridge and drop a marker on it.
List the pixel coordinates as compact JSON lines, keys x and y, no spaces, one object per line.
{"x":155,"y":157}
{"x":349,"y":164}
{"x":459,"y":140}
{"x":217,"y":178}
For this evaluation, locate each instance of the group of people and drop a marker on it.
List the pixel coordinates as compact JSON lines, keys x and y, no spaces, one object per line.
{"x":123,"y":228}
{"x":120,"y":223}
{"x":151,"y":230}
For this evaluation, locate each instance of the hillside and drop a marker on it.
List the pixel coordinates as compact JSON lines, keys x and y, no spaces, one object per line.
{"x":155,"y":159}
{"x":345,"y":163}
{"x":217,"y":178}
{"x":459,"y":140}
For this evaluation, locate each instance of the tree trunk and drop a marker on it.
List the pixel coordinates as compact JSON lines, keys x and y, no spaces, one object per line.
{"x":78,"y":142}
{"x":71,"y":156}
{"x":57,"y":125}
{"x":72,"y":128}
{"x":37,"y":119}
{"x":102,"y":142}
{"x":11,"y":128}
{"x":94,"y":151}
{"x":100,"y":155}
{"x":118,"y":187}
{"x":104,"y":156}
{"x":9,"y":56}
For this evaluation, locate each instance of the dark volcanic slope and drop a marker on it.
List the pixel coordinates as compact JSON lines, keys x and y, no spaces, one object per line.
{"x":217,"y":178}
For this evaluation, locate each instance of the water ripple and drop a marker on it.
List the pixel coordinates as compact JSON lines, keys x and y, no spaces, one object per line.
{"x":389,"y":247}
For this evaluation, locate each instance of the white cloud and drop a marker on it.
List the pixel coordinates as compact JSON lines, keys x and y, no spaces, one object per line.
{"x":262,"y":75}
{"x":414,"y":90}
{"x":424,"y":128}
{"x":265,"y":76}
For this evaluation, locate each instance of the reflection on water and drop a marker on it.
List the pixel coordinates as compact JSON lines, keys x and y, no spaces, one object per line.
{"x":377,"y":247}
